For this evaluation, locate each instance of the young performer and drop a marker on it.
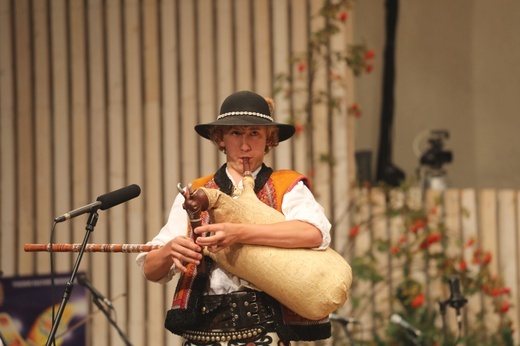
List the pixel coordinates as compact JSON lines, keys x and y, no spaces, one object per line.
{"x":221,"y":308}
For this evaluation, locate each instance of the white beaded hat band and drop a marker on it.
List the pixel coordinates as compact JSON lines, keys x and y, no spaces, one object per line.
{"x":246,"y":108}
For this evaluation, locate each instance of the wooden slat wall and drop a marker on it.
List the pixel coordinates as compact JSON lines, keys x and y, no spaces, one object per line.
{"x":99,"y":94}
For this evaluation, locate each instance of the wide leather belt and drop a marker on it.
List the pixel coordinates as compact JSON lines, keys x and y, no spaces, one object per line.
{"x":239,"y":315}
{"x":236,"y":310}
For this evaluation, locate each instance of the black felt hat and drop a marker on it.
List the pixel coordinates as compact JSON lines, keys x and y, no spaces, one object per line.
{"x":245,"y":108}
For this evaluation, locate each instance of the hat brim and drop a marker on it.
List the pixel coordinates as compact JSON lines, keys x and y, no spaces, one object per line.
{"x":285,"y":131}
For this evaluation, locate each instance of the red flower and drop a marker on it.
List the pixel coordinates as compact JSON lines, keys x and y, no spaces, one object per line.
{"x":417,"y":225}
{"x":302,"y":66}
{"x":433,"y":210}
{"x":431,"y":239}
{"x":470,"y":242}
{"x":369,"y":68}
{"x":369,"y":54}
{"x":506,"y":290}
{"x":504,"y":307}
{"x":487,"y":258}
{"x":343,"y":16}
{"x":463,"y":265}
{"x":403,"y":239}
{"x":495,"y":292}
{"x":353,"y":231}
{"x":417,"y":301}
{"x":394,"y":249}
{"x":298,"y":129}
{"x":355,"y":110}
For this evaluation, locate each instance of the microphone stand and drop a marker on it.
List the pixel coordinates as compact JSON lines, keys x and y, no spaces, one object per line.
{"x":91,"y":223}
{"x":347,"y":332}
{"x":111,"y":320}
{"x":442,"y":308}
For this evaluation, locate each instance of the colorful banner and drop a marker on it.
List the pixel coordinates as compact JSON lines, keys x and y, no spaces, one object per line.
{"x":26,"y":311}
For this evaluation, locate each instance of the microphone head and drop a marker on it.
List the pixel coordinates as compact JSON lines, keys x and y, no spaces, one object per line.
{"x":116,"y":197}
{"x":395,"y":318}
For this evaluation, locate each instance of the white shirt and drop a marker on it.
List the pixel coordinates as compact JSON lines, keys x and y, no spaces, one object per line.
{"x":297,"y":204}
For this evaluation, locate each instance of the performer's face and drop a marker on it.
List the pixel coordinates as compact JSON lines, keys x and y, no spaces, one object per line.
{"x":244,"y":142}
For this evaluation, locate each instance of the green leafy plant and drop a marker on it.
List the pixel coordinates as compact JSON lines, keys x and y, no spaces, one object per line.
{"x":325,"y":61}
{"x":415,"y":261}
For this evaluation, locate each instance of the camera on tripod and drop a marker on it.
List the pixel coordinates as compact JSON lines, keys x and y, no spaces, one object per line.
{"x":435,"y":156}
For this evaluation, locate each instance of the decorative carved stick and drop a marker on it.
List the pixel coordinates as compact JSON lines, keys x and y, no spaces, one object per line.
{"x":126,"y":248}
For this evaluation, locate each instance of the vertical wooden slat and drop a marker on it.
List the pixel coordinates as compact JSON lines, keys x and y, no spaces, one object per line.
{"x":135,"y":303}
{"x":280,"y":56}
{"x":171,"y":136}
{"x":24,"y":134}
{"x":115,"y":217}
{"x":507,"y":244}
{"x":208,"y":104}
{"x":470,"y":232}
{"x":187,"y":87}
{"x":262,"y":47}
{"x":224,"y":40}
{"x":379,"y":223}
{"x":170,"y":115}
{"x":8,"y":223}
{"x":79,"y":116}
{"x":300,"y":21}
{"x":320,"y":125}
{"x":243,"y":41}
{"x":61,"y":127}
{"x":98,"y":153}
{"x":43,"y":135}
{"x":516,"y":297}
{"x":340,"y":138}
{"x":153,"y":175}
{"x":261,"y":52}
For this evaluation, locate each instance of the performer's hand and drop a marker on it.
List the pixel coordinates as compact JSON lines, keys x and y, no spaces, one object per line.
{"x":183,"y":250}
{"x":222,"y":235}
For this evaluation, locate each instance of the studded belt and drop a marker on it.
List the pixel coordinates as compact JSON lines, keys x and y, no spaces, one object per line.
{"x":239,"y":315}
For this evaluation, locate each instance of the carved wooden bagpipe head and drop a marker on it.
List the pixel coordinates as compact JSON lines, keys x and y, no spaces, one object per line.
{"x":312,"y":283}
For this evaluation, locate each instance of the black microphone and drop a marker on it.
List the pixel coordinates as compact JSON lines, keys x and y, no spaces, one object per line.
{"x":83,"y":281}
{"x":343,"y":320}
{"x":104,"y":202}
{"x":397,"y":319}
{"x":456,"y":300}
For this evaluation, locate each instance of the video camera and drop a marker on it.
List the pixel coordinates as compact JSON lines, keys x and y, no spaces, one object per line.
{"x":434,"y":157}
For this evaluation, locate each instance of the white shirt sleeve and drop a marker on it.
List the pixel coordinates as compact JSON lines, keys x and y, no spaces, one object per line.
{"x":177,"y":225}
{"x":300,"y":204}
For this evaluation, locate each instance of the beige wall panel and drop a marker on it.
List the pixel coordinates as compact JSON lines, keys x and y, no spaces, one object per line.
{"x":516,"y":297}
{"x":98,"y":153}
{"x":320,"y":127}
{"x":470,"y":231}
{"x":280,"y":55}
{"x":61,"y":121}
{"x":208,"y":105}
{"x":341,"y":151}
{"x":262,"y":48}
{"x":136,"y":294}
{"x":43,"y":133}
{"x":188,"y":89}
{"x":170,"y":107}
{"x":487,"y":211}
{"x":78,"y":114}
{"x":244,"y":46}
{"x":24,"y":136}
{"x":225,"y":63}
{"x":8,"y":222}
{"x":115,"y":217}
{"x":298,"y":31}
{"x":507,"y":243}
{"x":153,"y":142}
